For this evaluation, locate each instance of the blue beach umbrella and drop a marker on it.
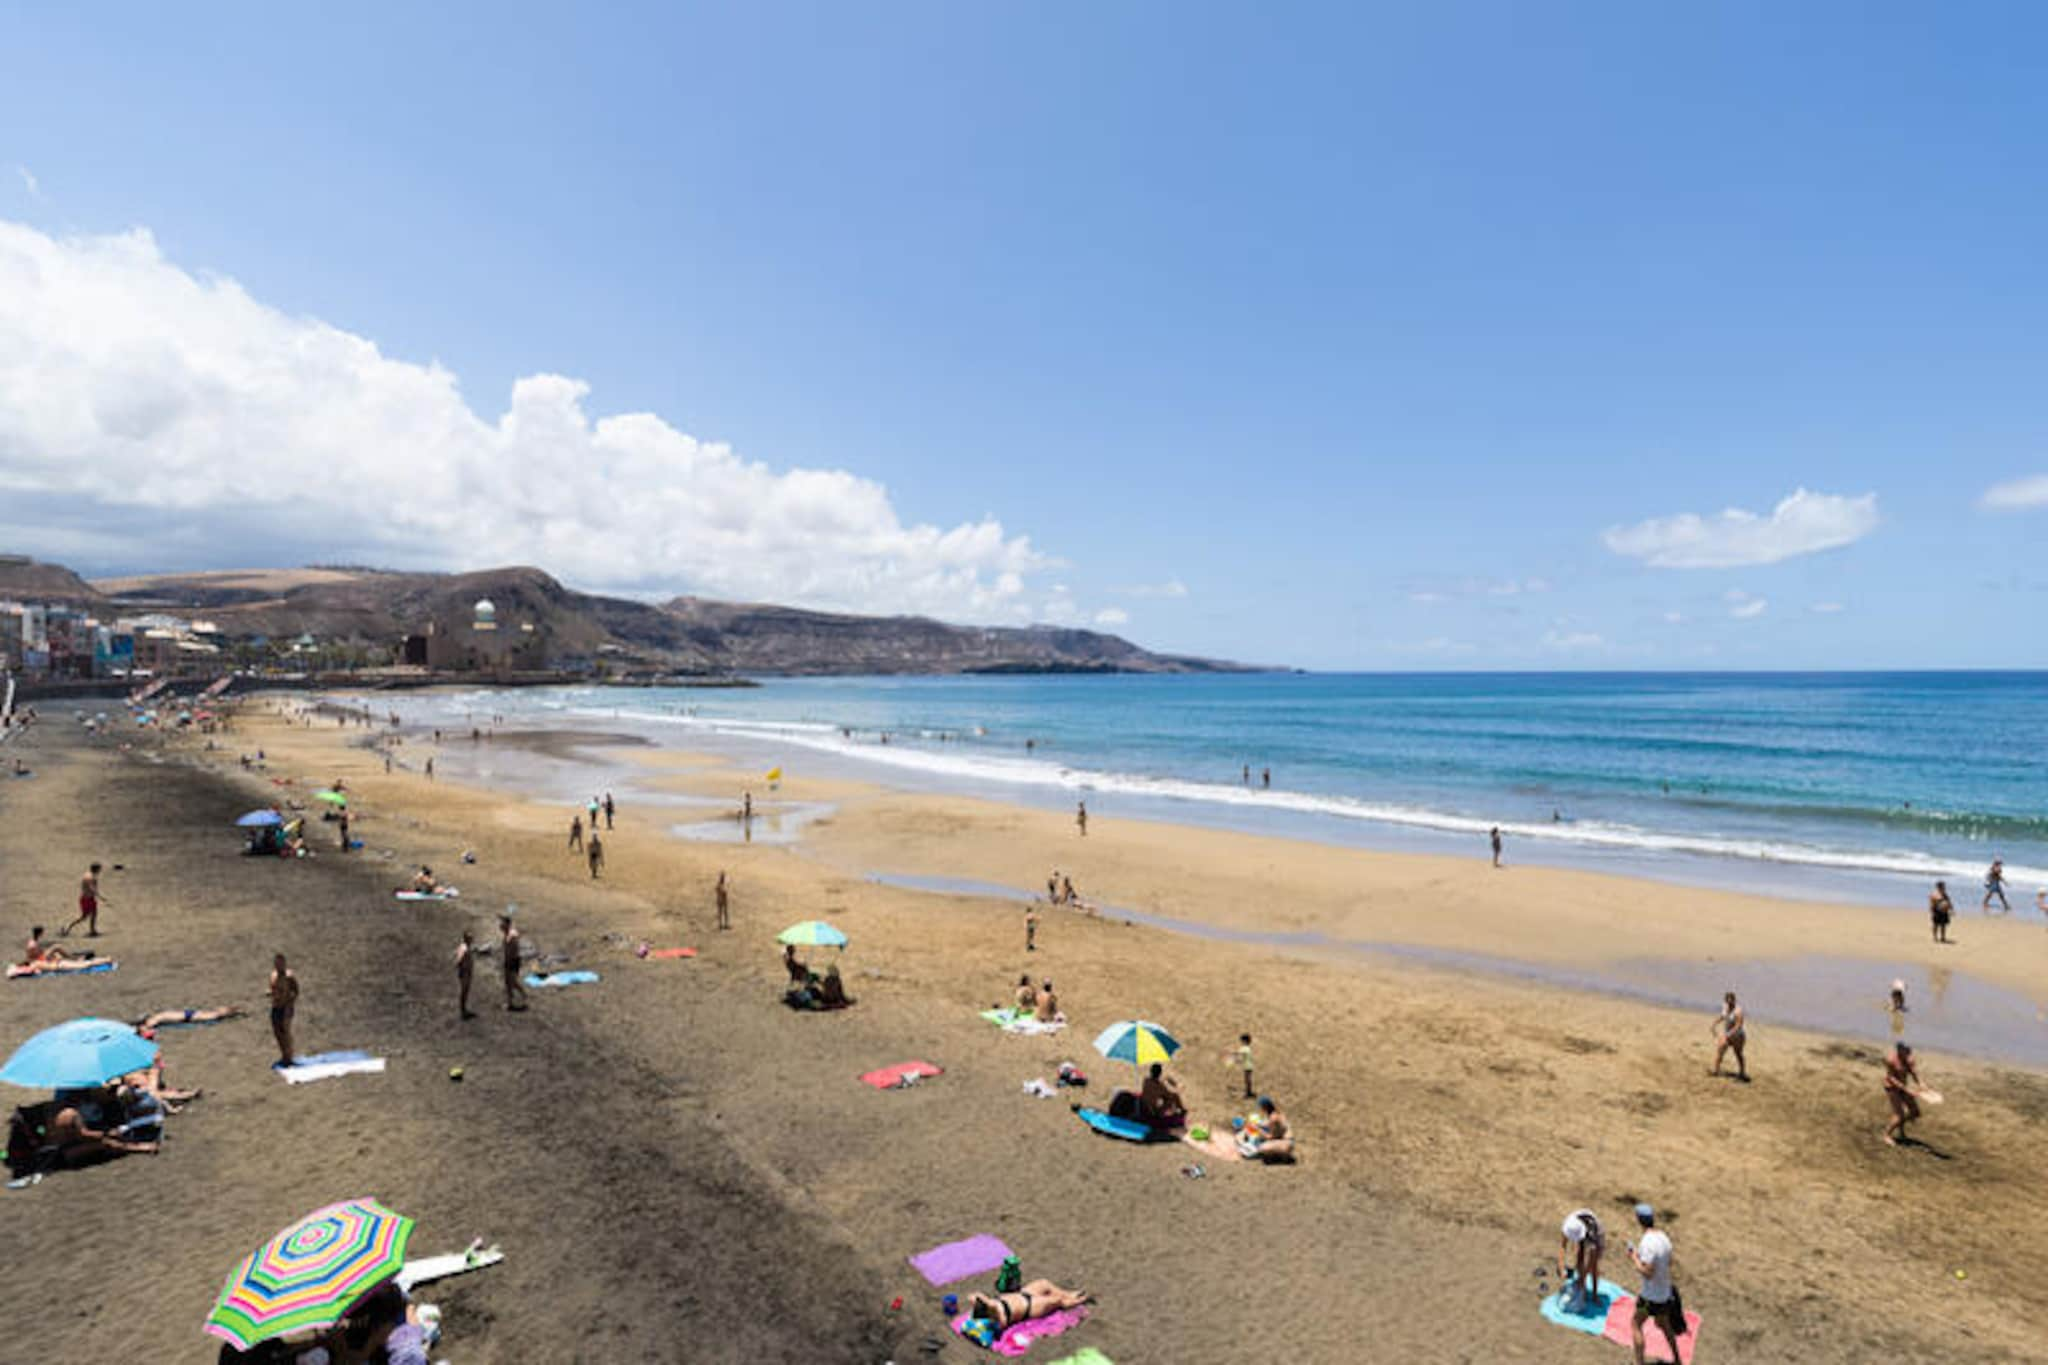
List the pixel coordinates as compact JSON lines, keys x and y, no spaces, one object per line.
{"x":78,"y":1055}
{"x":257,"y":818}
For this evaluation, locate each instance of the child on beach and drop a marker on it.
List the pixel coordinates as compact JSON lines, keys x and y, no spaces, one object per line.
{"x":1242,"y":1056}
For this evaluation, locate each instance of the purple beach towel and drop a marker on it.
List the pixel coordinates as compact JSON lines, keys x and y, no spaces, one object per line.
{"x":956,"y":1261}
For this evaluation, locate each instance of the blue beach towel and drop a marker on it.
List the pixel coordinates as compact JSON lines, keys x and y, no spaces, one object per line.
{"x":1592,"y":1317}
{"x":561,"y":979}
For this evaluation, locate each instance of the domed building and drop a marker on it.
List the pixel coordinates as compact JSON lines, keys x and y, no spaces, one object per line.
{"x":486,"y":615}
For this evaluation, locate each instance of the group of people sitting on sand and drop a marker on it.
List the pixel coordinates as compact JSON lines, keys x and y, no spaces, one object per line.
{"x":40,"y":958}
{"x":807,"y":989}
{"x":1039,"y":1001}
{"x":384,"y":1327}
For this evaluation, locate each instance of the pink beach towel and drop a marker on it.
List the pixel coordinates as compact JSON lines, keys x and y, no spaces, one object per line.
{"x":956,"y":1261}
{"x":889,"y":1076}
{"x":1017,"y":1339}
{"x":1655,"y":1345}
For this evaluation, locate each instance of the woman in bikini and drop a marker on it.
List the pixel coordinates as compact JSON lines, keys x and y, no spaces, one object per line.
{"x":1730,"y":1032}
{"x":1039,"y":1299}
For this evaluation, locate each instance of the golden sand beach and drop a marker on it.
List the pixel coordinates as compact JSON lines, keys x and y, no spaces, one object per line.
{"x":680,"y":1168}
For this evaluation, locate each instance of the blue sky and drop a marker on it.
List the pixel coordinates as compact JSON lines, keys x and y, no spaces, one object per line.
{"x":1343,"y":336}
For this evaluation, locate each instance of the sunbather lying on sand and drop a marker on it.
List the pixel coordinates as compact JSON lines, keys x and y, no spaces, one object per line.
{"x":35,"y":950}
{"x":1039,"y":1299}
{"x":150,"y":1081}
{"x":52,"y":966}
{"x":151,"y":1022}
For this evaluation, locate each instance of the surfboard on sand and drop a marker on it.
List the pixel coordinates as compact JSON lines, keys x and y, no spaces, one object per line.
{"x":446,"y":893}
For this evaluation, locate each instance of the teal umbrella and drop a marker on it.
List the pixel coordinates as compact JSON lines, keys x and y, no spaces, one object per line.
{"x":812,"y":933}
{"x":78,"y":1055}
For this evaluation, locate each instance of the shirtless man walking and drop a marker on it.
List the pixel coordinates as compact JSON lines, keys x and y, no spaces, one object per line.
{"x":1903,"y":1097}
{"x":508,"y":962}
{"x":595,"y":851}
{"x":723,"y":901}
{"x":284,"y":1006}
{"x":88,"y":905}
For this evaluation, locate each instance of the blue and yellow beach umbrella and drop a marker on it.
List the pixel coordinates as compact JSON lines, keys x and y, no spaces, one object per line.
{"x":1137,"y":1041}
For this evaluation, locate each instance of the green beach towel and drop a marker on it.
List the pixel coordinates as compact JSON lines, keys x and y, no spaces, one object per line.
{"x":1087,"y":1355}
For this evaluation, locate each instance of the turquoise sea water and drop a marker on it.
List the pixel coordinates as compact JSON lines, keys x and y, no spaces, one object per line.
{"x":1906,"y":775}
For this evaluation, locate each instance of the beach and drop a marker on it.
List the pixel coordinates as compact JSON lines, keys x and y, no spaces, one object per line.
{"x":678,"y":1167}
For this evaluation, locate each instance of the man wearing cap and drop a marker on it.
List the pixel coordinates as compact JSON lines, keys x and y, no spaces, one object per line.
{"x":1659,"y":1297}
{"x":1583,"y":1237}
{"x":508,"y":961}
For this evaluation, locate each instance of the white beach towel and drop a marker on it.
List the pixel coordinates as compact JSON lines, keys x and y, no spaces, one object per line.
{"x":320,"y":1068}
{"x":1039,"y":1089}
{"x":1033,"y":1027}
{"x":426,"y":1269}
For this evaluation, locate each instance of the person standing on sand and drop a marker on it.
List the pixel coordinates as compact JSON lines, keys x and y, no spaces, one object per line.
{"x":1266,"y":778}
{"x":1940,"y":909}
{"x":465,"y":973}
{"x":723,"y":900}
{"x":1659,"y":1297}
{"x":1243,"y":1057}
{"x":508,"y":961}
{"x":1994,"y":885}
{"x":342,"y":821}
{"x":596,"y":852}
{"x":593,"y":806}
{"x":430,"y":767}
{"x":88,"y":905}
{"x":608,"y":809}
{"x":1081,"y":817}
{"x":1030,"y":930}
{"x":1495,"y":838}
{"x":284,"y":1007}
{"x":576,"y":833}
{"x":1052,"y":887}
{"x":1729,"y":1035}
{"x":1904,"y":1099}
{"x":1067,"y":896}
{"x":747,"y":806}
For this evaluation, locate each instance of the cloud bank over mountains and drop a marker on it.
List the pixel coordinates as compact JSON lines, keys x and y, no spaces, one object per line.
{"x":145,"y":408}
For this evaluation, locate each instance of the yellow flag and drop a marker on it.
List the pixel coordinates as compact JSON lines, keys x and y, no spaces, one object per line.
{"x":775,"y":774}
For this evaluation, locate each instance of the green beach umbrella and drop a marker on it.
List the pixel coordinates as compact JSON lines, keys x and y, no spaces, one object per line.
{"x":332,"y":798}
{"x":812,"y":933}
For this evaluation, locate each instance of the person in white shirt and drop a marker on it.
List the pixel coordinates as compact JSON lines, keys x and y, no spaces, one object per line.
{"x":1659,"y":1297}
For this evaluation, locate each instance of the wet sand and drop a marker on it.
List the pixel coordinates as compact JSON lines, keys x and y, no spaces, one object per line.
{"x":679,"y":1168}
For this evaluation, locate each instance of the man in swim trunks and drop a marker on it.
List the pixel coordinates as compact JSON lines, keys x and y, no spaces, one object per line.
{"x":1048,"y":1004}
{"x":508,"y":949}
{"x":1039,"y":1299}
{"x":723,"y":902}
{"x":596,"y":852}
{"x":88,"y":905}
{"x":1940,"y":909}
{"x":284,"y":1006}
{"x":149,"y":1023}
{"x":1159,"y":1100}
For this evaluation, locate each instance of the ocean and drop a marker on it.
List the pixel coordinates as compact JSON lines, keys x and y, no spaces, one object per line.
{"x":1865,"y":784}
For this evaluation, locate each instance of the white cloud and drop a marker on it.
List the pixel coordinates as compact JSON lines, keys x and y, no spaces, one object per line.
{"x":142,"y":403}
{"x":1674,"y":618}
{"x":1802,"y":524}
{"x":29,"y":182}
{"x":1172,"y":587}
{"x":1429,"y":591}
{"x":1112,"y":617}
{"x":1743,"y":607}
{"x":2016,"y":494}
{"x":1826,"y":608}
{"x":1569,"y":640}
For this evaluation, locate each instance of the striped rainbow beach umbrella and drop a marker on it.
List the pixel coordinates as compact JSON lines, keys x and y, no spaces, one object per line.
{"x":812,"y":933}
{"x":308,"y":1276}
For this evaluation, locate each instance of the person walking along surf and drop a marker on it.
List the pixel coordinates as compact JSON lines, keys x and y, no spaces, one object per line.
{"x":608,"y":809}
{"x":1994,"y":885}
{"x":1081,"y":817}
